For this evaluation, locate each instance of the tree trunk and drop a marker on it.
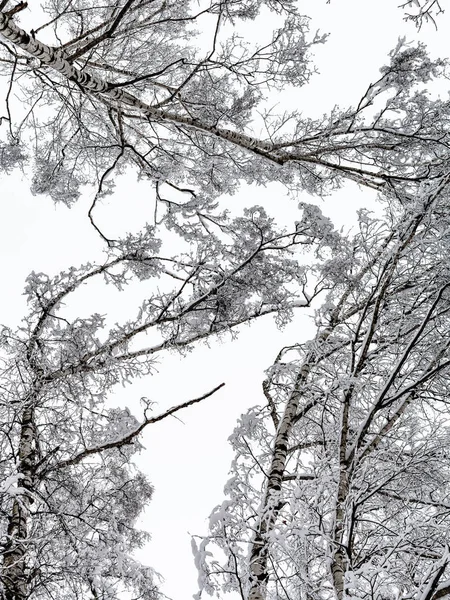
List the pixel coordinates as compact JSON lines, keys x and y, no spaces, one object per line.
{"x":340,"y":551}
{"x":90,"y":83}
{"x":272,"y":503}
{"x":14,"y":568}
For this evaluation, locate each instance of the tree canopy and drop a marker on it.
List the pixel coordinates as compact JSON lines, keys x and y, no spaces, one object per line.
{"x":103,"y":86}
{"x":340,"y":480}
{"x":340,"y":484}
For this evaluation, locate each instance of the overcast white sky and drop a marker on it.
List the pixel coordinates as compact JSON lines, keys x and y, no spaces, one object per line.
{"x":188,"y":461}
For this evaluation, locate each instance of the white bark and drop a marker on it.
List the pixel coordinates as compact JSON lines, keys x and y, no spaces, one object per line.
{"x":88,"y":82}
{"x":271,"y":507}
{"x":14,"y":568}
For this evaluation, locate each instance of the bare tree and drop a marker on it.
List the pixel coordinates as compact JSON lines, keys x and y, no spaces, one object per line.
{"x":108,"y":85}
{"x":340,"y":486}
{"x":332,"y":493}
{"x":69,"y":493}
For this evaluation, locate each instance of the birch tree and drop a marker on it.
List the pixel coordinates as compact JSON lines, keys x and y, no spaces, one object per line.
{"x":332,"y":493}
{"x":340,"y":485}
{"x":69,"y":492}
{"x":103,"y":86}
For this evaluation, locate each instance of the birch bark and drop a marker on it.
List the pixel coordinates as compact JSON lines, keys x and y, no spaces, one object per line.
{"x":330,"y":146}
{"x":271,"y":502}
{"x":89,"y":83}
{"x":14,"y":568}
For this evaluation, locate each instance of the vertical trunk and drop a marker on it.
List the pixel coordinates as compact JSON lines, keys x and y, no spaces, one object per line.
{"x":272,"y":503}
{"x":270,"y":507}
{"x":340,"y":551}
{"x":14,"y":567}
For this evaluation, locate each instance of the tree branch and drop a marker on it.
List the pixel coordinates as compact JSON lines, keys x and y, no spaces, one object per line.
{"x":129,"y":438}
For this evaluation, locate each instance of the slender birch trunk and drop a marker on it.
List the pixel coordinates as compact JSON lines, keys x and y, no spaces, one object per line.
{"x":271,"y":504}
{"x":340,"y":554}
{"x":14,"y":567}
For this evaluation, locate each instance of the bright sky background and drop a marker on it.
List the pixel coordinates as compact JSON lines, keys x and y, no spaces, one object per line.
{"x":188,"y":460}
